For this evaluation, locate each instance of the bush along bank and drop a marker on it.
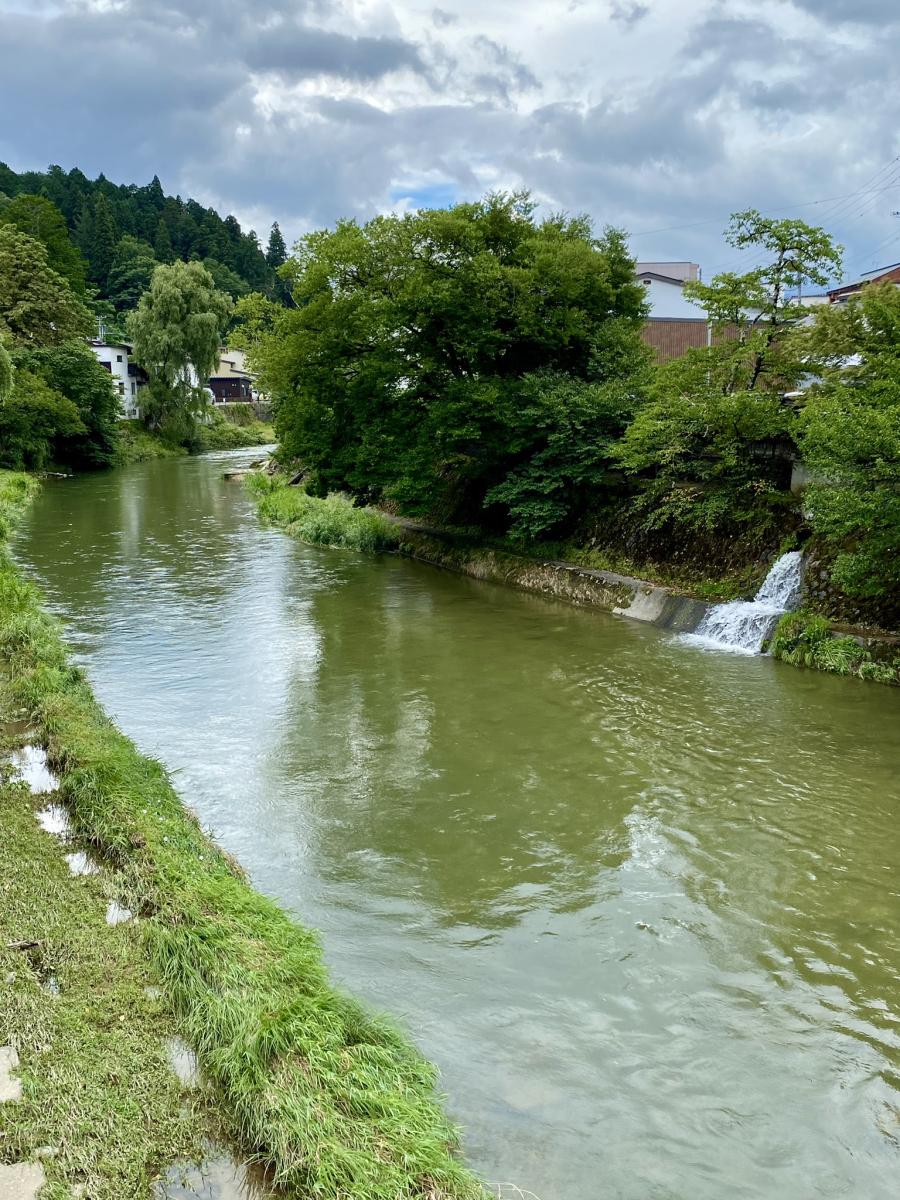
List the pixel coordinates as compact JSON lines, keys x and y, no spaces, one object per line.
{"x":805,"y":640}
{"x":335,"y":1100}
{"x":333,"y":521}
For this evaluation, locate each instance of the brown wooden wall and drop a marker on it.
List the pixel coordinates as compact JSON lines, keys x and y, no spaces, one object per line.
{"x":670,"y":337}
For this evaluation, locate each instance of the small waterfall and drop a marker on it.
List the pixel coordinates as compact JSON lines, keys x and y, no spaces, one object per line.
{"x":743,"y":625}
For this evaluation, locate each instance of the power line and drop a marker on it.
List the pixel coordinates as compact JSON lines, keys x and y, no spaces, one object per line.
{"x":781,"y":208}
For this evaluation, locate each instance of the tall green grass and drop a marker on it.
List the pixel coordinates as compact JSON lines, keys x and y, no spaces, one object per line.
{"x":335,"y":521}
{"x":805,"y":640}
{"x":334,"y":1098}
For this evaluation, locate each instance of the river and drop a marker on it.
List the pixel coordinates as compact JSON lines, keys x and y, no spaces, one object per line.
{"x":638,"y":900}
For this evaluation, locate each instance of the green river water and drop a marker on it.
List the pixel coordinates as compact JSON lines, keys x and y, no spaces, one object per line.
{"x":638,"y":900}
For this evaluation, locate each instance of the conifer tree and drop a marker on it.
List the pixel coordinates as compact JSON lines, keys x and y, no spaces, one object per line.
{"x":276,"y":252}
{"x":162,"y":246}
{"x":105,"y":240}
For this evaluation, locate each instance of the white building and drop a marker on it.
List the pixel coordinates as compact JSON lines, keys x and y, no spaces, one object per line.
{"x":663,"y":282}
{"x":127,"y":376}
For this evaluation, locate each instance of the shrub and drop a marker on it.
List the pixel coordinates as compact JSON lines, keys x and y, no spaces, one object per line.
{"x":334,"y":521}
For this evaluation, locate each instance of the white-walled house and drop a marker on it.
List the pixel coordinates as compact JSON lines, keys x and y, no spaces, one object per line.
{"x":674,"y":324}
{"x":127,"y":376}
{"x":663,"y":283}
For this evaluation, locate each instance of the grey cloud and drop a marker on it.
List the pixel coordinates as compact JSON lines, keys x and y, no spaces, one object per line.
{"x":297,"y":51}
{"x":166,"y":88}
{"x":630,"y":13}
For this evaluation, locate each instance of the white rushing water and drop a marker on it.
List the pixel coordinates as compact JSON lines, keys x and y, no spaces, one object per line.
{"x":743,"y":625}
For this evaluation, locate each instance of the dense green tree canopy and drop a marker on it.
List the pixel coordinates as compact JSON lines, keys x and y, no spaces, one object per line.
{"x":72,"y":370}
{"x":98,"y":213}
{"x":850,"y":438}
{"x":708,"y":448}
{"x":37,"y":305}
{"x":130,"y":273}
{"x":40,"y":219}
{"x":34,"y":421}
{"x":400,"y":373}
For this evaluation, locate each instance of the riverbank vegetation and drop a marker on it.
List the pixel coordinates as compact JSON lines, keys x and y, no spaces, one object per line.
{"x":484,"y":371}
{"x":321,"y":521}
{"x":805,"y":640}
{"x":101,"y":1106}
{"x":332,"y":1097}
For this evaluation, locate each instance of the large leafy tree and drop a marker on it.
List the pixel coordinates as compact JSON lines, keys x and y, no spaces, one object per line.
{"x":34,"y":421}
{"x":71,"y":369}
{"x":37,"y":305}
{"x":40,"y":219}
{"x":401,"y":372}
{"x":706,"y":451}
{"x":177,"y":331}
{"x":850,"y":439}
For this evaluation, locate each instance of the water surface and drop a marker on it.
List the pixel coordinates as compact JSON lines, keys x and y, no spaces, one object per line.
{"x":637,"y":900}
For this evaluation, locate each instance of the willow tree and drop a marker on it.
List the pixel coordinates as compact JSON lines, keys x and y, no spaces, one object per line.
{"x":177,"y":331}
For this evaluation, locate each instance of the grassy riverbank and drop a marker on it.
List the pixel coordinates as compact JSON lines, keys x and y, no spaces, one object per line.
{"x":97,"y":1086}
{"x":334,"y":521}
{"x":335,"y":1099}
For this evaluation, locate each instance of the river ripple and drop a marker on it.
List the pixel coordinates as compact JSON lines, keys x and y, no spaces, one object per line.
{"x":638,"y":900}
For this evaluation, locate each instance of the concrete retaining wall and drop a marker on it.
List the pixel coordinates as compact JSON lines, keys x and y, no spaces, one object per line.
{"x":620,"y":594}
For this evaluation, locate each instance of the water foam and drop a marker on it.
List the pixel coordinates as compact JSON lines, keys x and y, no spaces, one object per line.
{"x":744,"y":625}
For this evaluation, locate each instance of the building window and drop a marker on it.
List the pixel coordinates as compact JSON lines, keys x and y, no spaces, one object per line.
{"x":118,"y":358}
{"x":132,"y":389}
{"x":121,"y":389}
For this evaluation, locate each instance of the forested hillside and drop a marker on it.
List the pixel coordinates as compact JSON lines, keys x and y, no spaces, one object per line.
{"x":123,"y":231}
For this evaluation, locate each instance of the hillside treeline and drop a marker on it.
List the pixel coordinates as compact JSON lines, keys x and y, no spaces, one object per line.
{"x":118,"y":233}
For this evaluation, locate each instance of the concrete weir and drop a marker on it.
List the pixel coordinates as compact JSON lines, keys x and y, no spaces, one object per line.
{"x":621,"y":594}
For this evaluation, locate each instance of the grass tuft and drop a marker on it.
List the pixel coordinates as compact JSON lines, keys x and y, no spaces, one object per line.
{"x":332,"y":1097}
{"x":805,"y":640}
{"x":335,"y":521}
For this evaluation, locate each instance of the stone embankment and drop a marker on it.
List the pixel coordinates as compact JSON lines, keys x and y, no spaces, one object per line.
{"x":622,"y":594}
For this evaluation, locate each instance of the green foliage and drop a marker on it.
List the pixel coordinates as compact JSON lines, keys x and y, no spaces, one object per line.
{"x":710,"y":450}
{"x":71,"y":368}
{"x":130,"y":272}
{"x":34,"y":421}
{"x":191,"y":231}
{"x":563,"y":432}
{"x":223,"y":434}
{"x":276,"y":251}
{"x":162,"y":243}
{"x":40,"y":219}
{"x":694,"y":449}
{"x":178,"y":326}
{"x":333,"y":1097}
{"x":6,"y":373}
{"x":330,"y":521}
{"x":37,"y":305}
{"x":400,"y":373}
{"x":850,"y":438}
{"x":138,"y":444}
{"x":805,"y":640}
{"x":225,"y":279}
{"x":105,"y":238}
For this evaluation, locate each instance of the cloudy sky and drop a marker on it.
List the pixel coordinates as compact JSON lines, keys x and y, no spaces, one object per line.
{"x":661,"y":116}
